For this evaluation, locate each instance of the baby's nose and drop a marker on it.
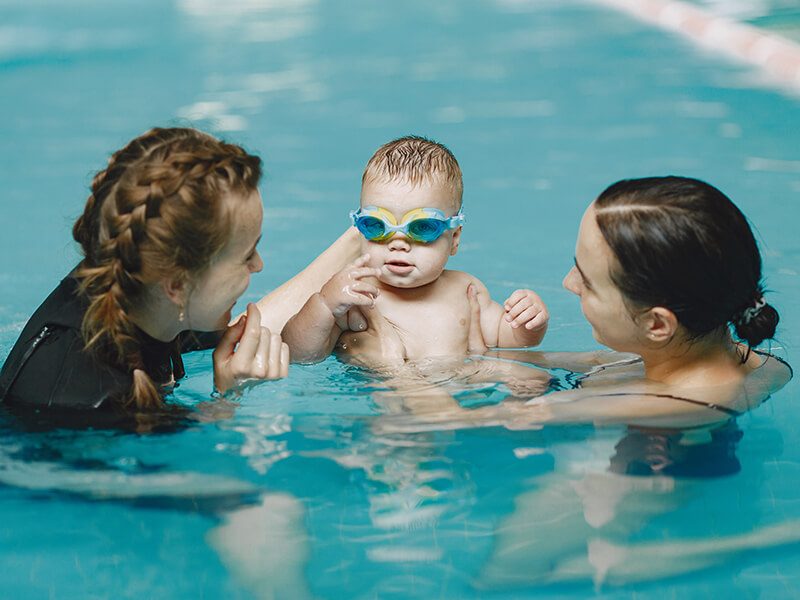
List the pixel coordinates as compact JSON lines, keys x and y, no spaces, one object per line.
{"x":399,"y":242}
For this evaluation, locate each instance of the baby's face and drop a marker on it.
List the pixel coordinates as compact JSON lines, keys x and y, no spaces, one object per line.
{"x":405,"y":263}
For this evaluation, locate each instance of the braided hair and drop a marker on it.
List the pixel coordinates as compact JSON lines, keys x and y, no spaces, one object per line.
{"x":156,"y":211}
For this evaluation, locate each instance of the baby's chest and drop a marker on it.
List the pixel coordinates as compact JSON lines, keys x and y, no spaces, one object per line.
{"x":430,"y":329}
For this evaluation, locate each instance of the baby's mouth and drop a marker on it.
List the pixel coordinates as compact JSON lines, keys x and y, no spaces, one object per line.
{"x":399,"y":267}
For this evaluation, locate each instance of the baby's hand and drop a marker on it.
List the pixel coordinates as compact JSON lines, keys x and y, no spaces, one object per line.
{"x":347,"y":289}
{"x":524,"y":307}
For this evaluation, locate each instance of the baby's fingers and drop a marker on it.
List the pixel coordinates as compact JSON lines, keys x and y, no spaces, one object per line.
{"x":362,"y":287}
{"x":360,"y":299}
{"x":361,"y":272}
{"x":538,"y":321}
{"x":514,"y":298}
{"x":517,"y":309}
{"x":361,"y":261}
{"x":525,"y":316}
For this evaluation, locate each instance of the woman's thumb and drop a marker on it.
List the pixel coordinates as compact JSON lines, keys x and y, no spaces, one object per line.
{"x":231,"y":337}
{"x":475,"y":342}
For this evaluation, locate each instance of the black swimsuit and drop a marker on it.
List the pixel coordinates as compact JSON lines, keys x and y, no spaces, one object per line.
{"x":730,"y":412}
{"x":48,"y":366}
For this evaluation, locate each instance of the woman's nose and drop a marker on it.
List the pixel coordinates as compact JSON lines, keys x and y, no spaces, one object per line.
{"x":258,"y":263}
{"x":571,"y":281}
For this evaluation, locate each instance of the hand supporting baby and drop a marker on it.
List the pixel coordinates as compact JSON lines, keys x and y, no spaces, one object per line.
{"x":520,"y":322}
{"x":249,"y":352}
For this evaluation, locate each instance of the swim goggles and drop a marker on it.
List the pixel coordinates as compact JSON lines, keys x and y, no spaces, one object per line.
{"x":423,"y":225}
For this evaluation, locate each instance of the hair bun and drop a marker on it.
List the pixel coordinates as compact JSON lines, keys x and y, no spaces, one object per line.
{"x":756,"y":323}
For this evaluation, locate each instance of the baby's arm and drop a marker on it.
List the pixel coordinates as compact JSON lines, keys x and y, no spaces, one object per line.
{"x":521,"y":321}
{"x":312,"y":333}
{"x":524,"y":321}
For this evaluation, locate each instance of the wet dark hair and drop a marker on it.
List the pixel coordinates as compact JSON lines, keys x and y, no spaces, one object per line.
{"x":682,"y":244}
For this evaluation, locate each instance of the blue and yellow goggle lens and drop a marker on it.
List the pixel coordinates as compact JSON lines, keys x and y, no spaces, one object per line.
{"x":423,"y":225}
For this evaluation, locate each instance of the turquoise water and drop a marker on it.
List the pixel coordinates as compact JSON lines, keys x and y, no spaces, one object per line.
{"x":297,"y":486}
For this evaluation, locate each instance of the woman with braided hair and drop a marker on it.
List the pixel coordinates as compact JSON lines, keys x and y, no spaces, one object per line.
{"x":169,"y":238}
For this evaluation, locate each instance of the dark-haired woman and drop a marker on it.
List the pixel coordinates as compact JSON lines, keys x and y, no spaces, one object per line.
{"x":669,"y":276}
{"x":169,"y":238}
{"x":667,"y":269}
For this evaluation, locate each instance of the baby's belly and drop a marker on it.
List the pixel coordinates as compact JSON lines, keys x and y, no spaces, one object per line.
{"x":371,"y":348}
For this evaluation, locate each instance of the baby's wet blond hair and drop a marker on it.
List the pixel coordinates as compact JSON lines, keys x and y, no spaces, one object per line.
{"x":415,"y":160}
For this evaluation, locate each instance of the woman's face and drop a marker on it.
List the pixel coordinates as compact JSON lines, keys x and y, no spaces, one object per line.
{"x":601,"y":301}
{"x":213,"y":295}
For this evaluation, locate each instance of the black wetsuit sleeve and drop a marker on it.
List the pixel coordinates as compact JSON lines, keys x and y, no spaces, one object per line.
{"x":48,"y":367}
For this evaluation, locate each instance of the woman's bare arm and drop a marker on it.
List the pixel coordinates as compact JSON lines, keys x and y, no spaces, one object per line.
{"x":577,"y":362}
{"x":283,"y":302}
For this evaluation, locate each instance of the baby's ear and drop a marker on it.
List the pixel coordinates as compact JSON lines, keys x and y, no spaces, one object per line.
{"x":454,"y":241}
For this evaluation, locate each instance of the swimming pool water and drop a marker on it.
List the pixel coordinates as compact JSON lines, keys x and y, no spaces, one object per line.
{"x":297,"y":490}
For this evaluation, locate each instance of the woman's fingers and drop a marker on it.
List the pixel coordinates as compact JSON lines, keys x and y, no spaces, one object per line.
{"x":285,"y":359}
{"x":248,"y":344}
{"x":229,"y":339}
{"x":261,"y":354}
{"x":475,"y":342}
{"x":274,"y":354}
{"x":356,"y":320}
{"x":258,"y":367}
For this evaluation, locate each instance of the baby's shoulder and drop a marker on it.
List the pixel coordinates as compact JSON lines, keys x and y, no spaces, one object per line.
{"x":459,"y":278}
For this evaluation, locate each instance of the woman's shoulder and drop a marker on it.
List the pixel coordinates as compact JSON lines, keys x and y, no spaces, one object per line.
{"x":48,"y":366}
{"x":769,"y":374}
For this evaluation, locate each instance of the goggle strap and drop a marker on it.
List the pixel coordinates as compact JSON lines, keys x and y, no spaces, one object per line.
{"x":456,"y":220}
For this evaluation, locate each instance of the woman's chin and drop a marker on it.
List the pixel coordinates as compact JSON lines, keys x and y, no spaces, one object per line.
{"x":225,"y":319}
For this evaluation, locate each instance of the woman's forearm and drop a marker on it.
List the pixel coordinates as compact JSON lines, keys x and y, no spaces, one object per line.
{"x":282,"y":303}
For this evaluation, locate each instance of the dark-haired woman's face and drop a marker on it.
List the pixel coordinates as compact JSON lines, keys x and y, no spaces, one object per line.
{"x":601,"y":301}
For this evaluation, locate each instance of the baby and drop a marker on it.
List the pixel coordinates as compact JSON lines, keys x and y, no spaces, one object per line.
{"x":410,"y":219}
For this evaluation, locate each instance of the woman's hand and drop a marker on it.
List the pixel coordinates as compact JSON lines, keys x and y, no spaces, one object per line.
{"x":260,"y":354}
{"x":475,"y":341}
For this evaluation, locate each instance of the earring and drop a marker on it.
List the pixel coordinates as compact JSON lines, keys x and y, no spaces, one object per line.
{"x":181,"y":315}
